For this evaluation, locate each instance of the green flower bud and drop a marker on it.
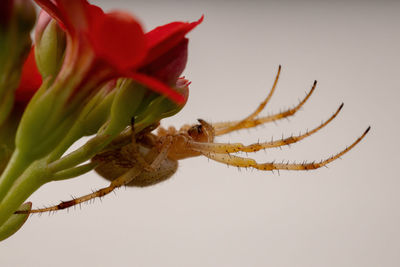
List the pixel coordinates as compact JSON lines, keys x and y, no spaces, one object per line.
{"x":49,"y":48}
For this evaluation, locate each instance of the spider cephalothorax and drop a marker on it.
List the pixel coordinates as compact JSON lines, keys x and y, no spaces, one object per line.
{"x":146,"y":158}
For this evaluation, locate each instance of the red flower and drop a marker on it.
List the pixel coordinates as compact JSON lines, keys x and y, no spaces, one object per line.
{"x":167,"y":47}
{"x":105,"y":46}
{"x":30,"y":80}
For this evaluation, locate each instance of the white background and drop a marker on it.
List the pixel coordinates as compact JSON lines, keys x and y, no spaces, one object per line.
{"x":211,"y":215}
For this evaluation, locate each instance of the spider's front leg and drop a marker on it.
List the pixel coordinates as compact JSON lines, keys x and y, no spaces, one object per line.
{"x":251,"y":121}
{"x":224,"y":148}
{"x":241,"y":162}
{"x":224,"y":128}
{"x":137,"y":171}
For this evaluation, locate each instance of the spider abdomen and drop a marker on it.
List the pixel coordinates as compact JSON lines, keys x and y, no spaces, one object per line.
{"x":115,"y":163}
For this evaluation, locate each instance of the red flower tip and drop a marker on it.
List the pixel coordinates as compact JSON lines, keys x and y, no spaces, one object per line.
{"x":30,"y":80}
{"x":163,"y":38}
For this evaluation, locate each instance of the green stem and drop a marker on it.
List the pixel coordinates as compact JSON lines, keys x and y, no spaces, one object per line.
{"x":33,"y":178}
{"x":82,"y":154}
{"x":15,"y":167}
{"x":73,"y":172}
{"x":71,"y":137}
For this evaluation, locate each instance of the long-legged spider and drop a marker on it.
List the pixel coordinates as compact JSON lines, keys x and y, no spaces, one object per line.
{"x":144,"y":158}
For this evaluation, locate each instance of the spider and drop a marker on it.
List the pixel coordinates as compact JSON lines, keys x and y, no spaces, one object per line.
{"x":145,"y":158}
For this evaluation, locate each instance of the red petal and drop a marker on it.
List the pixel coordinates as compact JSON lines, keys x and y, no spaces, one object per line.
{"x":163,"y":38}
{"x":30,"y":79}
{"x":170,"y":65}
{"x":75,"y":14}
{"x":158,"y":86}
{"x":71,"y":15}
{"x":118,"y":38}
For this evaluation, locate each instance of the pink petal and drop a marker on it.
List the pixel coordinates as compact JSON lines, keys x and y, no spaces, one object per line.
{"x":50,"y":7}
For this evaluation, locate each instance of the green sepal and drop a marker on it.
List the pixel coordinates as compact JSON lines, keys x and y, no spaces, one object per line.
{"x":44,"y":123}
{"x":30,"y":132}
{"x":99,"y":113}
{"x":126,"y":102}
{"x":86,"y":121}
{"x":158,"y":109}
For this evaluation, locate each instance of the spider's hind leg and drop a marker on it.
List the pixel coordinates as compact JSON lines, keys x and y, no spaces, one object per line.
{"x":122,"y":180}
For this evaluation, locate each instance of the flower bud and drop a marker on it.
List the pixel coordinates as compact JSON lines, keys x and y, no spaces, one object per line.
{"x":50,"y":45}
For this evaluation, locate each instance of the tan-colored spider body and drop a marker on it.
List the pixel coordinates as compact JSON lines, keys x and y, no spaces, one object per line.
{"x":144,"y":158}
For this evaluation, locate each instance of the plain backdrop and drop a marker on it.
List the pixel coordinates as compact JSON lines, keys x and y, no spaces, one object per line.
{"x":211,"y":215}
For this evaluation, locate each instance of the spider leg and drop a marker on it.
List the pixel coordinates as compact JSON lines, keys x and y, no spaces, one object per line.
{"x":224,"y":148}
{"x":270,"y":166}
{"x":233,"y":126}
{"x":131,"y":153}
{"x":227,"y":127}
{"x":120,"y":181}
